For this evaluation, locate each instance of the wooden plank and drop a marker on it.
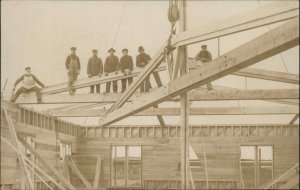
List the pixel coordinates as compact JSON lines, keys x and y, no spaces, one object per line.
{"x":294,"y":119}
{"x":48,"y":165}
{"x":184,"y":109}
{"x":195,"y":95}
{"x":33,"y":164}
{"x":97,"y":174}
{"x":263,"y":16}
{"x":291,"y":183}
{"x":72,"y":165}
{"x":258,"y":74}
{"x":275,"y":41}
{"x":269,"y":110}
{"x":17,"y":144}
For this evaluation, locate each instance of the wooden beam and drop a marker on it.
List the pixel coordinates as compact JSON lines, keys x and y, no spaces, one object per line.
{"x":33,"y":164}
{"x":98,"y":172}
{"x":259,"y":74}
{"x":195,"y":95}
{"x":17,"y":144}
{"x":291,"y":183}
{"x":265,"y":15}
{"x":86,"y":82}
{"x":193,"y":111}
{"x":252,"y":19}
{"x":271,"y":43}
{"x":184,"y":109}
{"x":69,"y":161}
{"x":48,"y":165}
{"x":293,"y":170}
{"x":294,"y":119}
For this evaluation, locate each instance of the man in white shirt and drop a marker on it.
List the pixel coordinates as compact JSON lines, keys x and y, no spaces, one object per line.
{"x":28,"y":85}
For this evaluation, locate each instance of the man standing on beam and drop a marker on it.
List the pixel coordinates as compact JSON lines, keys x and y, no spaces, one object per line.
{"x":95,"y":68}
{"x":142,"y":59}
{"x":111,"y":65}
{"x":73,"y":68}
{"x":126,"y":66}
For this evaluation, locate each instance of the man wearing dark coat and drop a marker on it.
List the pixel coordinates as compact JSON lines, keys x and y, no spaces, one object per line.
{"x":28,"y":85}
{"x":111,"y":65}
{"x":95,"y":68}
{"x":142,"y":59}
{"x":126,"y":66}
{"x":204,"y":56}
{"x":73,"y":68}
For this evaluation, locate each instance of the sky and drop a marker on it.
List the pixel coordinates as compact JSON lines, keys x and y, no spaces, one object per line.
{"x":40,"y":33}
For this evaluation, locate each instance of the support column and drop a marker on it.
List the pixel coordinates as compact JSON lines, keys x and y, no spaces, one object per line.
{"x":184,"y":114}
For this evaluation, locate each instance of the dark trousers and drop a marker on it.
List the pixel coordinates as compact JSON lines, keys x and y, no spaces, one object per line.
{"x":124,"y":83}
{"x":145,"y":85}
{"x":22,"y":90}
{"x":97,"y":88}
{"x":115,"y":86}
{"x":72,"y":77}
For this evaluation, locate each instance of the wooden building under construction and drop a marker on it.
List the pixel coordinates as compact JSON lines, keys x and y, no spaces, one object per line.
{"x":40,"y":150}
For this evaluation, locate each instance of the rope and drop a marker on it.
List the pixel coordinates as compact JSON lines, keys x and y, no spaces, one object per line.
{"x":121,"y":19}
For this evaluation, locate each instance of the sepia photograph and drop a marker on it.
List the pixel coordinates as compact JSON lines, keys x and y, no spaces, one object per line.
{"x":149,"y":94}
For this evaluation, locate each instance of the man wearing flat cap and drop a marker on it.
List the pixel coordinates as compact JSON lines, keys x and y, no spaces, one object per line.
{"x":126,"y":66}
{"x":95,"y":68}
{"x":142,"y":59}
{"x":28,"y":85}
{"x":73,"y":68}
{"x":204,"y":56}
{"x":111,"y":65}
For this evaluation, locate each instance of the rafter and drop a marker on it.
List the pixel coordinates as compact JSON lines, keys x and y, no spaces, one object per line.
{"x":192,"y":111}
{"x":92,"y":100}
{"x":271,"y":43}
{"x":263,"y":16}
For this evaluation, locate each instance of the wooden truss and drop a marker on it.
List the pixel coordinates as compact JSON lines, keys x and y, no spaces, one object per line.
{"x":271,"y":43}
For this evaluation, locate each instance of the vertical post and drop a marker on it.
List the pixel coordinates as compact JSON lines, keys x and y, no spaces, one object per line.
{"x":184,"y":115}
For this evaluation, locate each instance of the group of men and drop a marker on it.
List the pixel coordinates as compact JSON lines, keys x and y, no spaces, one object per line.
{"x":112,"y":64}
{"x":95,"y":67}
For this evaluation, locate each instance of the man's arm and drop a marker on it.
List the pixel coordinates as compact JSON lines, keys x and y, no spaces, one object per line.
{"x":37,"y":81}
{"x":101,"y":66}
{"x":78,"y":63}
{"x":106,"y":65}
{"x":122,"y":64}
{"x":148,"y":58}
{"x":67,"y":62}
{"x":139,"y":62}
{"x":118,"y":64}
{"x":130,"y":63}
{"x":89,"y":67}
{"x":209,"y":56}
{"x":18,"y":80}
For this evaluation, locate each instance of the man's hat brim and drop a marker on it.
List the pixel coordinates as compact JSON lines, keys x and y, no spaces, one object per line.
{"x":27,"y":68}
{"x":111,"y":49}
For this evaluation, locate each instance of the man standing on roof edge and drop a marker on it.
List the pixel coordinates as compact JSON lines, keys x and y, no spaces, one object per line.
{"x":142,"y":59}
{"x":28,"y":85}
{"x":73,"y":69}
{"x":111,"y":65}
{"x":126,"y":66}
{"x":95,"y":68}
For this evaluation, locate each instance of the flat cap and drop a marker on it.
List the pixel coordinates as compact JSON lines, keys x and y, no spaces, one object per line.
{"x":111,"y":49}
{"x":94,"y":51}
{"x":73,"y":48}
{"x":27,"y":68}
{"x":141,"y":48}
{"x":203,"y":46}
{"x":125,"y":49}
